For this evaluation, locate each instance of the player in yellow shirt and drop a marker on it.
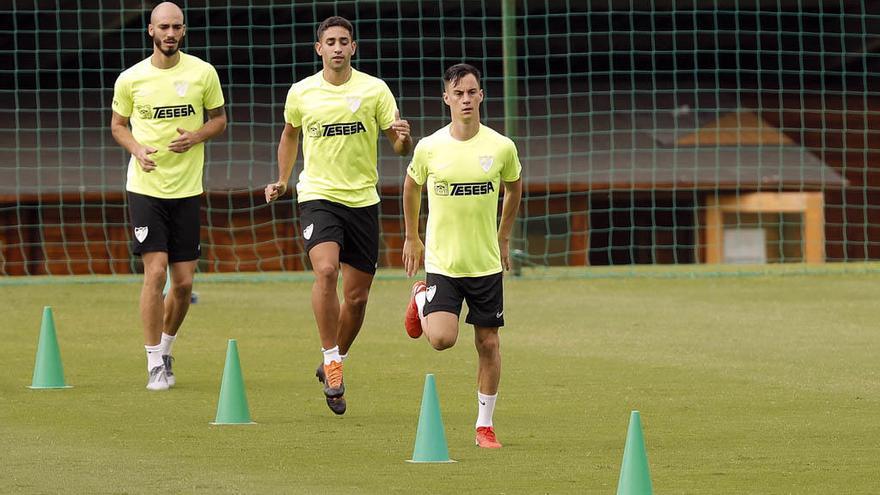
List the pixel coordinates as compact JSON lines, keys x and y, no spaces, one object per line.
{"x":464,"y":166}
{"x":340,"y":111}
{"x":174,"y":104}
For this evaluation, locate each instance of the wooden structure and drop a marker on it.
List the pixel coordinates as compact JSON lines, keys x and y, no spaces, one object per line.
{"x":747,"y":129}
{"x":809,"y":204}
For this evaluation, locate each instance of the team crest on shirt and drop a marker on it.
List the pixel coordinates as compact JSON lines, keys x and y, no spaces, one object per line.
{"x":354,"y":102}
{"x":429,"y":293}
{"x":486,"y":162}
{"x":181,"y":87}
{"x":140,"y":233}
{"x":144,"y":111}
{"x":307,"y":232}
{"x":315,"y":130}
{"x":441,"y":188}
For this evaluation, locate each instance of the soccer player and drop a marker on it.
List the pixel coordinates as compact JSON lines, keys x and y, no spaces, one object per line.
{"x":341,"y":111}
{"x":464,"y":165}
{"x":174,"y":104}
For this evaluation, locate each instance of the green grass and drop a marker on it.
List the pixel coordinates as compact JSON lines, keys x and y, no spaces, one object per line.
{"x":762,"y":384}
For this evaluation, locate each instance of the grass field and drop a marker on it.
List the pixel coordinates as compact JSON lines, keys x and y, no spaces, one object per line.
{"x":764,"y":384}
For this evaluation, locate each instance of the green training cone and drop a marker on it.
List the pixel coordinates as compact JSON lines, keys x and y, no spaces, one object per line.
{"x":232,"y":409}
{"x":635,"y":478}
{"x":48,"y":371}
{"x":430,"y":436}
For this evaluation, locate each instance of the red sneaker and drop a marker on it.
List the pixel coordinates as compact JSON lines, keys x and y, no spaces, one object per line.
{"x":486,"y":438}
{"x":412,"y":322}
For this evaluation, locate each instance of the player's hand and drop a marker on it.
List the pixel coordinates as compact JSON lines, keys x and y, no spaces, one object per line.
{"x":275,"y":191}
{"x":184,"y":142}
{"x":504,"y":247}
{"x":143,"y":158}
{"x":412,"y":255}
{"x":400,"y":126}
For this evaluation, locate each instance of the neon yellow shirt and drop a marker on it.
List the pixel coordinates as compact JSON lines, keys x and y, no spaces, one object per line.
{"x":463,"y":179}
{"x":340,"y":128}
{"x":157,"y":102}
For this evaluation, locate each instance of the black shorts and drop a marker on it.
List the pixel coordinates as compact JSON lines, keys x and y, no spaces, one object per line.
{"x":167,"y":225}
{"x":484,"y":296}
{"x":356,"y":230}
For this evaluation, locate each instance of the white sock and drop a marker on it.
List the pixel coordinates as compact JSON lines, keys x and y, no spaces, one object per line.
{"x":420,"y":303}
{"x":166,"y":343}
{"x":343,"y":356}
{"x":154,"y":356}
{"x":331,"y":355}
{"x":486,"y":405}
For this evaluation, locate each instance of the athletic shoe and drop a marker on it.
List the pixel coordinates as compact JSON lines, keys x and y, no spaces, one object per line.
{"x":319,"y":373}
{"x":334,"y":388}
{"x":486,"y":438}
{"x":169,"y":375}
{"x":158,"y":380}
{"x":412,"y":322}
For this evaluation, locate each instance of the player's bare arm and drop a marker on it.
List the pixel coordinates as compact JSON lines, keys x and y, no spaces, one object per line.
{"x":288,"y":148}
{"x":512,"y":196}
{"x":122,"y":134}
{"x":398,"y":135}
{"x":413,"y":248}
{"x":215,"y":125}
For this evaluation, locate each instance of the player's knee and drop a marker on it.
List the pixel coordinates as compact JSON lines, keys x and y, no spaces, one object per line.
{"x":488,"y":343}
{"x":357,"y":299}
{"x":442,"y":342}
{"x":326,"y":273}
{"x":154,"y":276}
{"x":183,"y":290}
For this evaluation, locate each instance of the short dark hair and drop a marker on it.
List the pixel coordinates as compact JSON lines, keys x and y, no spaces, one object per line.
{"x":457,"y":71}
{"x":335,"y":21}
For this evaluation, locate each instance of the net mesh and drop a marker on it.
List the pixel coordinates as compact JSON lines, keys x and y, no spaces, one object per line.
{"x":666,"y":133}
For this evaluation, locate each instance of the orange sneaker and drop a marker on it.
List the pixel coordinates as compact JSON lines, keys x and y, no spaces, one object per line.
{"x":412,"y":322}
{"x":334,"y":388}
{"x":486,"y":438}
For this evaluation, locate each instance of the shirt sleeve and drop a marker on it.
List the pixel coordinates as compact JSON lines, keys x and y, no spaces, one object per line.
{"x":418,"y":167}
{"x":213,"y":97}
{"x":292,"y":114}
{"x":512,"y":167}
{"x":122,"y":103}
{"x":386,"y":108}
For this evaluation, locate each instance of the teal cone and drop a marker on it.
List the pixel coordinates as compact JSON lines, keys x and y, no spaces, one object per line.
{"x":232,"y":408}
{"x":48,"y":370}
{"x":635,"y":478}
{"x":430,"y":436}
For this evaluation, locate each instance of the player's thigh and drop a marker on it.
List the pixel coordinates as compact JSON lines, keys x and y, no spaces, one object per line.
{"x":486,"y":339}
{"x":356,"y":284}
{"x":182,"y":272}
{"x":184,"y":229}
{"x":443,"y":325}
{"x":155,"y":267}
{"x":324,"y":258}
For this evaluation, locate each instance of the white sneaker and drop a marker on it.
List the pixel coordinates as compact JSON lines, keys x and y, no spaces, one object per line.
{"x":158,"y":380}
{"x":169,"y":375}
